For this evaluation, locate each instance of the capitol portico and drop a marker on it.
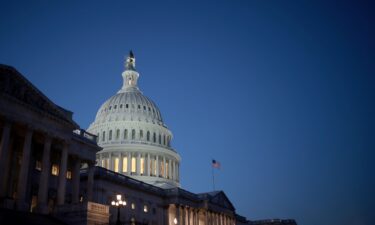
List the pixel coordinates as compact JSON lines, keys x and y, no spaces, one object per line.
{"x":134,"y":138}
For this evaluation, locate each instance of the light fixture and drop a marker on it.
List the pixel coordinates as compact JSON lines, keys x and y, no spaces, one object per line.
{"x":113,"y":203}
{"x":175,"y":221}
{"x":118,"y":197}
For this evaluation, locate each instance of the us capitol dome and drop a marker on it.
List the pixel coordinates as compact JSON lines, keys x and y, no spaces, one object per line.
{"x":134,"y":138}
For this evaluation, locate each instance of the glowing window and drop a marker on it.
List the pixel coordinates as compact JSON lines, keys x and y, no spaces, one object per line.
{"x":161,"y":168}
{"x":55,"y":169}
{"x":134,"y":166}
{"x":142,"y":165}
{"x":133,"y":206}
{"x":116,"y":164}
{"x":125,"y":164}
{"x":69,"y":174}
{"x":38,"y":165}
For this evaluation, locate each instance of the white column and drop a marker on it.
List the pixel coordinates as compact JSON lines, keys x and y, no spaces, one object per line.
{"x":4,"y":156}
{"x":120,"y":164}
{"x":164,"y":168}
{"x":148,"y":165}
{"x":188,"y":215}
{"x":44,"y":177}
{"x":177,"y":216}
{"x":129,"y":163}
{"x":22,"y":178}
{"x":169,"y":169}
{"x":138,"y":167}
{"x":157,"y":165}
{"x":76,"y":179}
{"x":173,"y":170}
{"x":111,"y":164}
{"x":62,"y":175}
{"x":90,"y":181}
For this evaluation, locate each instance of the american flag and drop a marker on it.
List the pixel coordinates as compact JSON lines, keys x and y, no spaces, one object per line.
{"x":216,"y":164}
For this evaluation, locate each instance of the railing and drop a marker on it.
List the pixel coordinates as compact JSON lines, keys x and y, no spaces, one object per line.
{"x":137,"y":142}
{"x":85,"y":135}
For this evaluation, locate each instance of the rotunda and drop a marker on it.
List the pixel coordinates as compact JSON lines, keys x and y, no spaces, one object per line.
{"x":134,"y":138}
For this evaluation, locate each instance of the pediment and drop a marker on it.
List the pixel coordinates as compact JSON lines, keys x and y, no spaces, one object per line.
{"x":222,"y":200}
{"x":16,"y":86}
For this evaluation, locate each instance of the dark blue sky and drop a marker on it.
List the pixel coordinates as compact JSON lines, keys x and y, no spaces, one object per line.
{"x":280,"y":92}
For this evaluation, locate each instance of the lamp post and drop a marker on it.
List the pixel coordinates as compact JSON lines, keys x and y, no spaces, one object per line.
{"x":118,"y":204}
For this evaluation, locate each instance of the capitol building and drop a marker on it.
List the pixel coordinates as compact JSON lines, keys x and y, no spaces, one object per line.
{"x":134,"y":138}
{"x":122,"y":170}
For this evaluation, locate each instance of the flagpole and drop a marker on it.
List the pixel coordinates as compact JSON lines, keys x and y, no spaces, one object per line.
{"x":213,"y":178}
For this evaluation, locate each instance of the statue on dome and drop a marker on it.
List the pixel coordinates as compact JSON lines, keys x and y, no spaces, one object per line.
{"x":130,"y":61}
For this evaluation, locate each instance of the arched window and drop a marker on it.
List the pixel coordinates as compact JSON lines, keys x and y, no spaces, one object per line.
{"x":141,"y":134}
{"x":148,"y":135}
{"x":159,"y":139}
{"x":125,"y":134}
{"x":110,"y":135}
{"x":103,"y":136}
{"x":154,"y":137}
{"x":133,"y":134}
{"x":117,"y":134}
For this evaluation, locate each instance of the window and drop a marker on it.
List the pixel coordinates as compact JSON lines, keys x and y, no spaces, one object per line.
{"x":161,"y":169}
{"x":117,"y":134}
{"x":127,"y":106}
{"x":148,"y":135}
{"x":133,"y":134}
{"x":159,"y":139}
{"x":116,"y":164}
{"x":115,"y":107}
{"x":38,"y":165}
{"x":121,"y":106}
{"x":69,"y":174}
{"x":103,"y":136}
{"x":133,"y":206}
{"x":132,"y":106}
{"x":167,"y":170}
{"x":154,"y":137}
{"x":145,"y":208}
{"x":110,"y":135}
{"x":142,"y":165}
{"x":125,"y":134}
{"x":144,"y":107}
{"x":110,"y":107}
{"x":55,"y":170}
{"x":125,"y":164}
{"x":141,"y":134}
{"x":134,"y":166}
{"x":139,"y":106}
{"x":149,"y":109}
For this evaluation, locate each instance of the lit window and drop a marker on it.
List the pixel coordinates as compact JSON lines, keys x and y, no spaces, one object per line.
{"x":38,"y":165}
{"x":55,"y":170}
{"x":125,"y":164}
{"x":161,"y":169}
{"x":145,"y":208}
{"x":69,"y":174}
{"x":116,"y":164}
{"x":133,"y":206}
{"x":133,"y":165}
{"x":167,"y":170}
{"x":117,"y":134}
{"x":110,"y":135}
{"x":142,"y":165}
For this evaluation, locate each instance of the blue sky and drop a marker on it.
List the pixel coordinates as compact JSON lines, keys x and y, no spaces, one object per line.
{"x":280,"y":92}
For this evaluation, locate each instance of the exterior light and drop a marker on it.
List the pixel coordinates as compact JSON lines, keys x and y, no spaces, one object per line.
{"x":113,"y":203}
{"x":120,"y":202}
{"x":116,"y":203}
{"x":175,"y":221}
{"x":118,"y":197}
{"x":123,"y":203}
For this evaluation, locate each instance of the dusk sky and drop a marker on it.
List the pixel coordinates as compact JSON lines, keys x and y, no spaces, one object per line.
{"x":281,"y":93}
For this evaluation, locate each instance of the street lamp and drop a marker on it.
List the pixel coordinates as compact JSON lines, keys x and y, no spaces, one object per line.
{"x":118,"y":203}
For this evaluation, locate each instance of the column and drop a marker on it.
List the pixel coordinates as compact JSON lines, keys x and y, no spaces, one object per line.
{"x":90,"y":181}
{"x":183,"y":215}
{"x":174,"y":169}
{"x":157,"y":166}
{"x":100,"y":160}
{"x":62,"y":175}
{"x":169,"y":169}
{"x":111,"y":164}
{"x":129,"y":163}
{"x":138,"y":168}
{"x":148,"y":165}
{"x":188,"y":216}
{"x":24,"y":171}
{"x":4,"y":158}
{"x":206,"y":218}
{"x":177,"y":216}
{"x":120,"y":164}
{"x":76,"y":179}
{"x":164,"y":168}
{"x":44,"y":177}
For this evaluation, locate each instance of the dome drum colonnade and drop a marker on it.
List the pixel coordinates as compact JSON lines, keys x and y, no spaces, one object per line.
{"x":134,"y":138}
